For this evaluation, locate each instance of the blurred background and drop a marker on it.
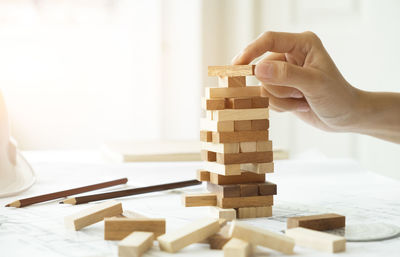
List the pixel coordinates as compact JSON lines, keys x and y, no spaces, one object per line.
{"x":79,"y":73}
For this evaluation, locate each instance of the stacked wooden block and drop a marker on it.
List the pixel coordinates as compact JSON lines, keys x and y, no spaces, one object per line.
{"x":235,"y":145}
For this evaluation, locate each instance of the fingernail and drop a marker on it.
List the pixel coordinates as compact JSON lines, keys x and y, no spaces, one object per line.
{"x":303,"y":108}
{"x":296,"y":94}
{"x":264,"y":71}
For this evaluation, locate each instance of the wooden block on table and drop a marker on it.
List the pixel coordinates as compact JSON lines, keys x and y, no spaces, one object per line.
{"x":247,"y":212}
{"x":262,"y":237}
{"x":190,"y":234}
{"x":231,"y":70}
{"x":226,"y":170}
{"x":317,"y":240}
{"x":224,"y":190}
{"x":238,"y":103}
{"x":195,"y":200}
{"x":208,"y":156}
{"x":237,"y":248}
{"x":258,"y":168}
{"x":202,"y":175}
{"x":241,"y":136}
{"x":263,"y":211}
{"x":260,"y":102}
{"x":216,"y":126}
{"x":240,"y":114}
{"x":250,"y":201}
{"x":212,"y":104}
{"x":119,"y":228}
{"x":135,"y":244}
{"x":267,"y":188}
{"x":320,"y":222}
{"x":230,"y":92}
{"x":206,"y":136}
{"x":235,"y":158}
{"x":245,"y":177}
{"x":225,"y":81}
{"x":219,"y":213}
{"x":221,"y":148}
{"x":260,"y":124}
{"x":250,"y":189}
{"x":93,"y":214}
{"x":263,"y":146}
{"x":248,"y":147}
{"x":131,"y":214}
{"x":242,"y":125}
{"x":217,"y":241}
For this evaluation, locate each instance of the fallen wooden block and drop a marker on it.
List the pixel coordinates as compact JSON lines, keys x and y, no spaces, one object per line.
{"x":189,"y":234}
{"x":248,"y":147}
{"x":195,"y":200}
{"x":263,"y":146}
{"x":208,"y":156}
{"x":237,"y":248}
{"x":216,"y":126}
{"x":262,"y":237}
{"x":242,"y":125}
{"x":206,"y":136}
{"x":221,"y":148}
{"x":240,"y":114}
{"x":229,"y":92}
{"x":93,"y":214}
{"x":225,"y":81}
{"x":212,"y":104}
{"x":238,"y":103}
{"x":245,"y":177}
{"x":238,"y":158}
{"x":258,"y":168}
{"x":320,"y":222}
{"x":131,"y":214}
{"x":219,"y":213}
{"x":250,"y":201}
{"x":226,"y":170}
{"x":241,"y":136}
{"x":119,"y":228}
{"x":231,"y":70}
{"x":218,"y":240}
{"x":260,"y":102}
{"x":317,"y":240}
{"x":248,"y":189}
{"x":254,"y":212}
{"x":202,"y":175}
{"x":135,"y":244}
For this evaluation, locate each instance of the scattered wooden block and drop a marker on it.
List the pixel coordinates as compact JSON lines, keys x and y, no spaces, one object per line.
{"x":235,"y":158}
{"x":242,"y":125}
{"x":260,"y":124}
{"x":238,"y":103}
{"x":230,"y":92}
{"x":131,"y":214}
{"x":247,"y":212}
{"x":262,"y":237}
{"x":212,"y":104}
{"x":224,"y":81}
{"x":240,"y":114}
{"x":237,"y":248}
{"x":192,"y":233}
{"x":250,"y":201}
{"x":260,"y":102}
{"x":217,"y":241}
{"x":206,"y":136}
{"x":317,"y":240}
{"x":248,"y":190}
{"x":208,"y":156}
{"x":267,"y":188}
{"x":319,"y":222}
{"x":258,"y":168}
{"x":263,"y":146}
{"x":224,"y":190}
{"x":195,"y":200}
{"x":216,"y":126}
{"x":241,"y":136}
{"x":248,"y":147}
{"x":226,"y":170}
{"x":135,"y":244}
{"x":245,"y":177}
{"x":93,"y":214}
{"x":221,"y":148}
{"x":119,"y":228}
{"x":263,"y":211}
{"x":202,"y":175}
{"x":231,"y":70}
{"x":219,"y":213}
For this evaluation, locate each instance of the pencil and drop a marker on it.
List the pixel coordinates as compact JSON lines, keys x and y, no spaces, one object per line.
{"x":128,"y":192}
{"x":60,"y":194}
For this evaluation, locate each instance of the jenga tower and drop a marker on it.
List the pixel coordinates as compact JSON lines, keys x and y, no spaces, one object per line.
{"x":235,"y":147}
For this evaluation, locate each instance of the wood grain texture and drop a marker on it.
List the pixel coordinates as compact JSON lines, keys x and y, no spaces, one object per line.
{"x":240,"y":114}
{"x":248,"y":147}
{"x":231,"y":70}
{"x":224,"y":190}
{"x":235,"y":158}
{"x":226,"y":170}
{"x":202,"y":175}
{"x":208,"y":156}
{"x":225,"y":81}
{"x":254,"y":212}
{"x":212,"y":104}
{"x":263,"y":146}
{"x":259,"y":102}
{"x":231,"y":92}
{"x":219,"y":213}
{"x":192,"y":233}
{"x":237,"y":248}
{"x":258,"y":168}
{"x":262,"y":237}
{"x":264,"y":211}
{"x":267,"y":188}
{"x":317,"y":240}
{"x":319,"y":222}
{"x":206,"y":136}
{"x":241,"y":136}
{"x":245,"y":177}
{"x":251,"y":201}
{"x":216,"y":126}
{"x":119,"y":228}
{"x":250,"y":189}
{"x":135,"y":244}
{"x":238,"y":103}
{"x":195,"y":200}
{"x":242,"y":125}
{"x":260,"y":124}
{"x":221,"y":148}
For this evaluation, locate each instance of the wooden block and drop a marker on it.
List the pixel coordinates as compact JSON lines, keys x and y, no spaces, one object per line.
{"x":238,"y":103}
{"x":242,"y":125}
{"x":267,"y":188}
{"x":224,"y":81}
{"x":260,"y":102}
{"x":235,"y":158}
{"x":263,"y":146}
{"x":241,"y":136}
{"x":260,"y":124}
{"x":93,"y":214}
{"x":245,"y":177}
{"x":190,"y":234}
{"x":247,"y":212}
{"x":216,"y":126}
{"x":212,"y":104}
{"x":248,"y":147}
{"x":119,"y":228}
{"x":262,"y":237}
{"x":237,"y":248}
{"x":264,"y":211}
{"x":226,"y":170}
{"x":202,"y":175}
{"x":250,"y":201}
{"x":258,"y":168}
{"x":219,"y":213}
{"x":319,"y":222}
{"x":224,"y":190}
{"x":135,"y":244}
{"x":317,"y":240}
{"x":230,"y":92}
{"x":131,"y":214}
{"x":248,"y":190}
{"x":221,"y":148}
{"x":217,"y":241}
{"x":208,"y":156}
{"x":231,"y":70}
{"x":195,"y":200}
{"x":240,"y":114}
{"x":206,"y":136}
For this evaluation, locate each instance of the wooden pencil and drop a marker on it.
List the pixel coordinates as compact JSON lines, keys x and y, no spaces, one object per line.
{"x":128,"y":192}
{"x":65,"y":193}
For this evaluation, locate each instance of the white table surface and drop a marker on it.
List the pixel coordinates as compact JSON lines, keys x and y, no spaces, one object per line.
{"x":305,"y":186}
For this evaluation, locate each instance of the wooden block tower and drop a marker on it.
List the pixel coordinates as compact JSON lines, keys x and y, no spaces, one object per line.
{"x":235,"y":147}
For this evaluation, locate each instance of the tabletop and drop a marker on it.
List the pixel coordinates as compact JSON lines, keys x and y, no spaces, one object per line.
{"x":305,"y":186}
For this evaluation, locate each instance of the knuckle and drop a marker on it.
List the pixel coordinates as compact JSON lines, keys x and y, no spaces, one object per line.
{"x":268,"y":38}
{"x":312,"y":36}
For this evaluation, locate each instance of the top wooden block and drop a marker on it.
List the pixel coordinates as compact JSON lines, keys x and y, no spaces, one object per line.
{"x":231,"y":70}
